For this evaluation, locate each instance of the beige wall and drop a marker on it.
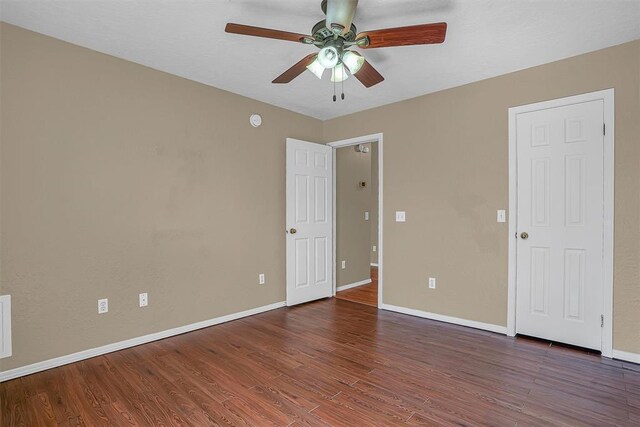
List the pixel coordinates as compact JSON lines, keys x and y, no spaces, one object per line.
{"x":118,"y":179}
{"x":1,"y":237}
{"x":353,"y":233}
{"x":446,"y":164}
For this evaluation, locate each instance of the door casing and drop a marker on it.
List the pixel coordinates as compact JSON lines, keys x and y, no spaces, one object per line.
{"x":374,"y":138}
{"x":607,"y":96}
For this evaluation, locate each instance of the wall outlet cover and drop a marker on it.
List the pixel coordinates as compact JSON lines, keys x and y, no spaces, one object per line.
{"x":143,"y":299}
{"x":103,"y":306}
{"x":261,"y":279}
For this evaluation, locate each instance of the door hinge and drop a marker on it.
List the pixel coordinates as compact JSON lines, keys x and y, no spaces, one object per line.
{"x":602,"y":320}
{"x":604,"y":128}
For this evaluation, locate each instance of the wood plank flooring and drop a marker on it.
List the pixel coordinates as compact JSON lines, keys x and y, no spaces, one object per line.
{"x":365,"y":294}
{"x":331,"y":362}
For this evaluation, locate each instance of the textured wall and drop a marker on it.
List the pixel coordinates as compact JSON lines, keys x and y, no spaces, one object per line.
{"x":353,"y":233}
{"x":118,"y":179}
{"x":446,"y":164}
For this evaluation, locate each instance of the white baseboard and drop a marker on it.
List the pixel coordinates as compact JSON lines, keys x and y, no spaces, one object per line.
{"x":373,"y":264}
{"x":626,"y":356}
{"x":448,"y":319}
{"x":93,"y":352}
{"x":353,"y":285}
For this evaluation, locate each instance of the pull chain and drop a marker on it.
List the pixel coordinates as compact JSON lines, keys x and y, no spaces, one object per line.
{"x":342,"y":85}
{"x":334,"y":88}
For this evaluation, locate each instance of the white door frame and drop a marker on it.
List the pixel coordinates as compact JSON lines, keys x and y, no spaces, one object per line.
{"x":607,"y":96}
{"x":374,"y":138}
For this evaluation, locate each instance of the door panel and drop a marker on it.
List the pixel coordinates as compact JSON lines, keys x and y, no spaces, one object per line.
{"x":560,"y":206}
{"x":309,"y":198}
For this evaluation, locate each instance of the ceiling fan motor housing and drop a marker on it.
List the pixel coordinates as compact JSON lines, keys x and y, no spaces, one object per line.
{"x":322,"y":34}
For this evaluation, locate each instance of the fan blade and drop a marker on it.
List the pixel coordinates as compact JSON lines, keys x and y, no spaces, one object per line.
{"x":341,"y":13}
{"x":248,"y":30}
{"x":405,"y":36}
{"x":296,"y":70}
{"x":368,"y":75}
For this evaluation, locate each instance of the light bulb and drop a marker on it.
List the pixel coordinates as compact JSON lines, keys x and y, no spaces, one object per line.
{"x":316,"y":68}
{"x":339,"y":73}
{"x":353,"y":61}
{"x":328,"y":57}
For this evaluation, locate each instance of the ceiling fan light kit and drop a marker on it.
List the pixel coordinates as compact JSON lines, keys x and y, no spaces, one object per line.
{"x":316,"y":68}
{"x":353,"y":61}
{"x":328,"y":57}
{"x":335,"y":35}
{"x":339,"y":73}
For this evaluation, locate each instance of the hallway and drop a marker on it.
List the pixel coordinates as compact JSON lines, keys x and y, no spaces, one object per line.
{"x":365,"y":294}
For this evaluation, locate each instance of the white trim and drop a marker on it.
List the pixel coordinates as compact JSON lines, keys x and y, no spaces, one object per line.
{"x":5,"y":326}
{"x":448,"y":319}
{"x":373,"y":264}
{"x":353,"y":285}
{"x":86,"y":354}
{"x":607,"y":96}
{"x":373,"y":138}
{"x":334,"y":272}
{"x":626,"y":356}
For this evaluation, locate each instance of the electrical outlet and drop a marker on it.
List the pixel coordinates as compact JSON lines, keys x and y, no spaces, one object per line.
{"x":375,"y":248}
{"x":344,"y":264}
{"x":261,"y":279}
{"x":143,"y":299}
{"x":432,"y":282}
{"x":366,"y":216}
{"x":103,"y":306}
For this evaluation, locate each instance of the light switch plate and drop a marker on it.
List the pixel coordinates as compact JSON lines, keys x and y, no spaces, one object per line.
{"x":432,"y":282}
{"x":502,"y":215}
{"x":344,"y":264}
{"x":401,"y":216}
{"x":366,"y":216}
{"x":375,"y":248}
{"x":261,"y":279}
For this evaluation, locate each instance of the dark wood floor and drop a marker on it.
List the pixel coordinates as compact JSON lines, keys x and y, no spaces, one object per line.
{"x":365,"y":294}
{"x":331,"y":362}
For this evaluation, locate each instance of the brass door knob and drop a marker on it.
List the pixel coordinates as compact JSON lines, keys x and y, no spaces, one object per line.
{"x":524,"y":235}
{"x":293,"y":231}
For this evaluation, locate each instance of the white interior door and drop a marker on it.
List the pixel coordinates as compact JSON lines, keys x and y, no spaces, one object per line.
{"x":309,"y":221}
{"x":560,"y":197}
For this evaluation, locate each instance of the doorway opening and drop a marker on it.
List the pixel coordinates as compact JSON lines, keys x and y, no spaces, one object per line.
{"x":357,"y":224}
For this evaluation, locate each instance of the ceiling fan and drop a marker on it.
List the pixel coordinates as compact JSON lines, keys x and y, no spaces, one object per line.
{"x":335,"y":35}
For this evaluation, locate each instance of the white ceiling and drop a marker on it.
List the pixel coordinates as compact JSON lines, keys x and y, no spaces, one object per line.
{"x":485,"y":38}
